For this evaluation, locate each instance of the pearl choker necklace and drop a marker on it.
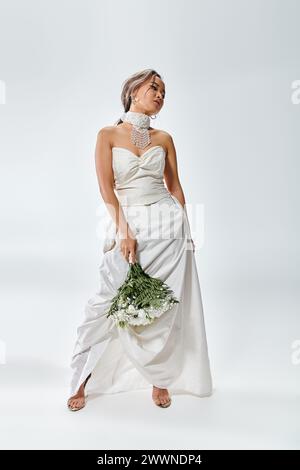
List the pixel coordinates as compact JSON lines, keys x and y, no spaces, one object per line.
{"x":140,"y":135}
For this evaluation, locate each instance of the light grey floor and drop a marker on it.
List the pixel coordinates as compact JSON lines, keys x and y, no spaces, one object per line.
{"x":251,"y":329}
{"x":245,"y":412}
{"x":237,"y":416}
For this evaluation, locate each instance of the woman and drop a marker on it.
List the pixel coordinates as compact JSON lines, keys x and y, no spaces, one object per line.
{"x":137,"y":172}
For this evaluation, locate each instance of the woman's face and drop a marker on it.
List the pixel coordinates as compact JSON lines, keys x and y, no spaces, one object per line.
{"x":150,"y":97}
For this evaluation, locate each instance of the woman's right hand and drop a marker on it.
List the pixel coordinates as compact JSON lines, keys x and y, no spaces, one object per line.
{"x":128,"y":247}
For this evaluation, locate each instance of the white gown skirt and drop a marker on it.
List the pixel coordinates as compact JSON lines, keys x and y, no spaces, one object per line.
{"x":172,"y":351}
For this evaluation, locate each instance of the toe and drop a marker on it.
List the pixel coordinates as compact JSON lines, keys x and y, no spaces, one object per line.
{"x":161,"y":396}
{"x":76,"y":402}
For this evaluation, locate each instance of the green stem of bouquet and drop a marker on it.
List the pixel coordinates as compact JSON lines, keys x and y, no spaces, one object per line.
{"x":142,"y":290}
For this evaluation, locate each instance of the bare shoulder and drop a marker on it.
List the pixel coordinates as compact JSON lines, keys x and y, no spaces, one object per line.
{"x":166,"y":139}
{"x":163,"y":135}
{"x":106,"y":132}
{"x":111,"y":133}
{"x":103,"y":143}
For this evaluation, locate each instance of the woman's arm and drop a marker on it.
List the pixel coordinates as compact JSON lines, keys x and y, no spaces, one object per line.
{"x":105,"y":176}
{"x":171,"y":172}
{"x":172,"y":179}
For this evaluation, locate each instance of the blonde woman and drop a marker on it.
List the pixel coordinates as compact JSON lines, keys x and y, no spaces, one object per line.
{"x":137,"y":172}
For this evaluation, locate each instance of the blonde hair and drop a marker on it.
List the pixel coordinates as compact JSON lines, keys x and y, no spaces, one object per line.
{"x":131,"y":84}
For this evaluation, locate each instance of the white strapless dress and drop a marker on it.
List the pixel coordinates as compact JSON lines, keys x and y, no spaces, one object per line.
{"x":172,"y":351}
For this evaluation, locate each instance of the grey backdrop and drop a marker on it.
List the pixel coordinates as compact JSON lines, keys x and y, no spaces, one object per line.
{"x":229,"y":68}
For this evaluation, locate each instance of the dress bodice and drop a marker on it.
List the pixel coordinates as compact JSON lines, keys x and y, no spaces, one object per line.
{"x":139,"y":179}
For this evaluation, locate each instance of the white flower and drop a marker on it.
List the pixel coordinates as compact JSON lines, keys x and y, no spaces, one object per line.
{"x":131,"y":309}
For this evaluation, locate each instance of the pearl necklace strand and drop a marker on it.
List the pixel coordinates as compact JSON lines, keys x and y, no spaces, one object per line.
{"x":140,"y":135}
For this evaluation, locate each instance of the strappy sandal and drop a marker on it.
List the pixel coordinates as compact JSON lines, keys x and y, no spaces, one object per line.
{"x":161,"y":405}
{"x":166,"y":405}
{"x":80,"y":407}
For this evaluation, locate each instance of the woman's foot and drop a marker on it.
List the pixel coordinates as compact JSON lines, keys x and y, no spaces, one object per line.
{"x":77,"y":401}
{"x":161,"y":397}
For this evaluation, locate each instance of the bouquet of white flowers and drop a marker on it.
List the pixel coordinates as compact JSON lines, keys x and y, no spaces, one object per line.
{"x":140,"y":299}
